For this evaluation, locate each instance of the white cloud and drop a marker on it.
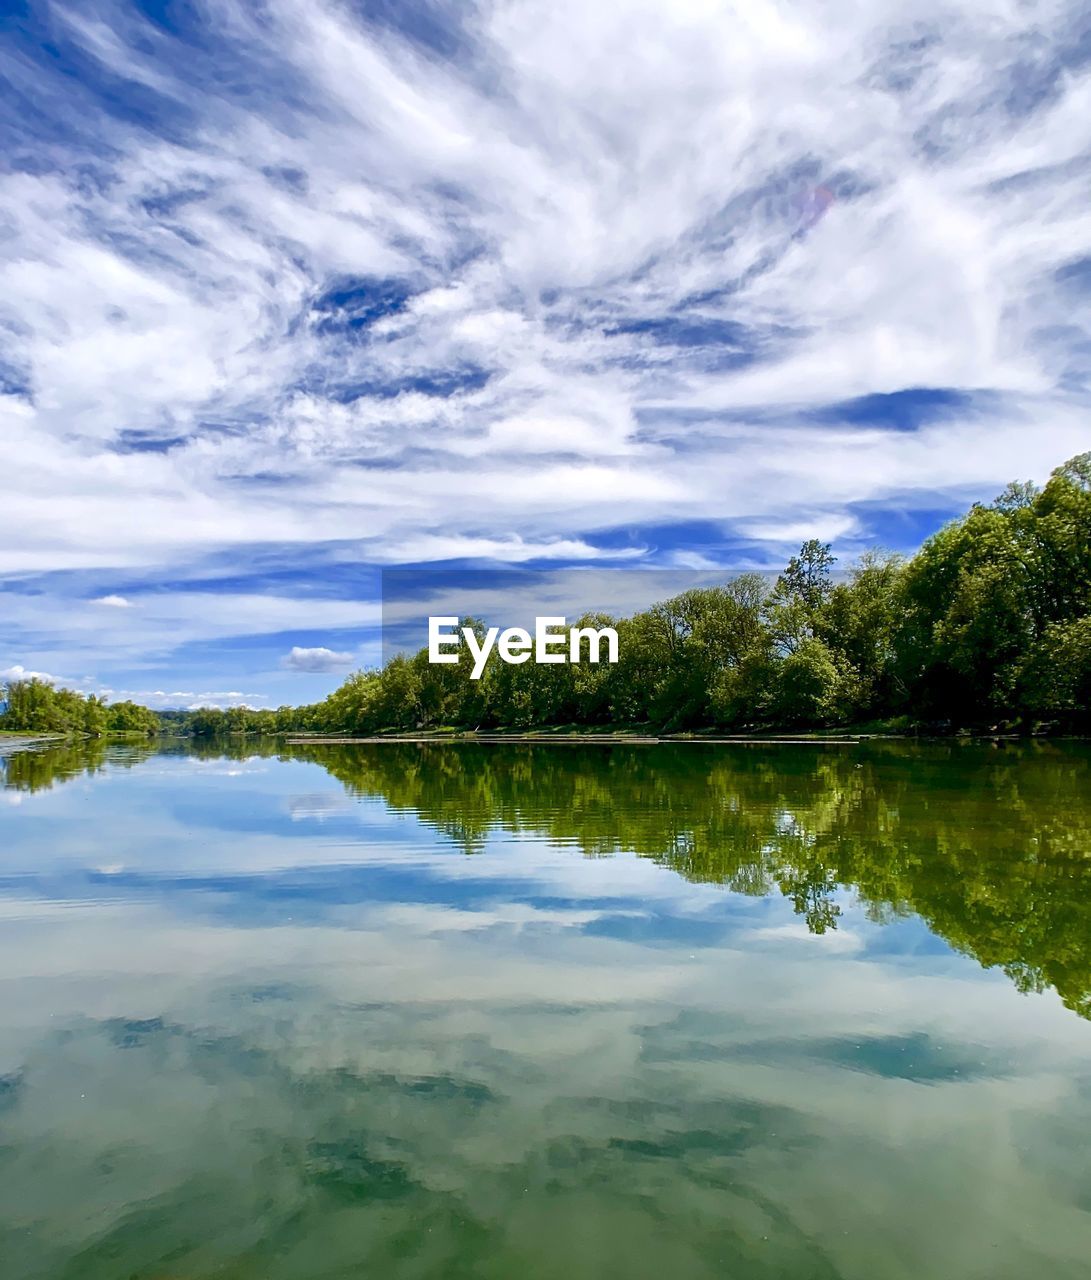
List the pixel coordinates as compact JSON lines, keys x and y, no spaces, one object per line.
{"x":160,"y":699}
{"x":220,"y":702}
{"x":835,"y":205}
{"x":157,"y":699}
{"x":318,"y":659}
{"x":113,"y":602}
{"x":18,"y":672}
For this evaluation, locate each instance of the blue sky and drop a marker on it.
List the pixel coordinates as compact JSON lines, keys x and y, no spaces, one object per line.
{"x":294,"y":292}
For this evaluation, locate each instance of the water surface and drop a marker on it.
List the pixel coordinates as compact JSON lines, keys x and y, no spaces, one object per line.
{"x":557,"y":1012}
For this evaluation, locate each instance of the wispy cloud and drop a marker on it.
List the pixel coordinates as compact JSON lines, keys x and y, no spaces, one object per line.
{"x":523,"y":281}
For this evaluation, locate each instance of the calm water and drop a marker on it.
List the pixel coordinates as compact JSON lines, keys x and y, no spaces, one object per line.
{"x":556,"y":1012}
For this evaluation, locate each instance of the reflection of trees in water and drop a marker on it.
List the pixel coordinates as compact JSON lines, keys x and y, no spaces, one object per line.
{"x":228,"y":746}
{"x":990,"y":844}
{"x":39,"y":768}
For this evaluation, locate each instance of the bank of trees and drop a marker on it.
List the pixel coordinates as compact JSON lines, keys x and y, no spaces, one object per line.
{"x":37,"y":706}
{"x":215,"y":722}
{"x":990,"y":623}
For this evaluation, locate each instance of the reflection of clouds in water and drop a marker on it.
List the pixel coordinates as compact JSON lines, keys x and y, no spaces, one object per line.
{"x":158,"y":843}
{"x":319,"y":805}
{"x":379,"y":1081}
{"x":511,"y":915}
{"x":843,"y":940}
{"x":719,"y":834}
{"x":216,"y":768}
{"x":227,"y":1031}
{"x":421,"y":953}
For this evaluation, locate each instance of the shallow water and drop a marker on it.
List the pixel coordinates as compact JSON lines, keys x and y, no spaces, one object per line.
{"x":559,"y":1011}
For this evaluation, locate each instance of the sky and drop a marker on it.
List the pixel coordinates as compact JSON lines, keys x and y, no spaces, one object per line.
{"x":294,"y":292}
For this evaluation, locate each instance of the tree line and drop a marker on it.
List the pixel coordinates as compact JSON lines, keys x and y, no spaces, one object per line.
{"x":988,"y":625}
{"x":37,"y":706}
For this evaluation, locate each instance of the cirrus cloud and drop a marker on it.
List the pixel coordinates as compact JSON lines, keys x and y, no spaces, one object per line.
{"x":525,"y":281}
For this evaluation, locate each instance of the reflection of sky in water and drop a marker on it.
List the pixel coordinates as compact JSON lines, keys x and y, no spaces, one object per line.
{"x":254,"y":1021}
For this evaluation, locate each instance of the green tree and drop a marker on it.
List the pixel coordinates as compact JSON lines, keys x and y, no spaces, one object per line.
{"x":130,"y":717}
{"x":860,"y":622}
{"x":1057,"y":675}
{"x":984,"y":624}
{"x":94,"y":720}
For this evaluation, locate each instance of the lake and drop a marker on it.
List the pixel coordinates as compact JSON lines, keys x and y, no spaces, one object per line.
{"x":561,"y":1011}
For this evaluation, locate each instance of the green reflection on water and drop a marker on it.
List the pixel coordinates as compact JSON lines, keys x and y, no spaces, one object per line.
{"x":991,"y":845}
{"x":409,"y":1099}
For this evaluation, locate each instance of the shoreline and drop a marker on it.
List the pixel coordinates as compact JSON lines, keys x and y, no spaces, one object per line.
{"x":615,"y":739}
{"x":9,"y":740}
{"x":610,"y":739}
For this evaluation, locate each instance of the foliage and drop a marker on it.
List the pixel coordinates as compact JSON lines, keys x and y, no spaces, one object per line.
{"x":988,"y":625}
{"x":36,"y":706}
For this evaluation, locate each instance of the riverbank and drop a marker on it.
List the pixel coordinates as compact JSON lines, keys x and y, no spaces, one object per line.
{"x":19,"y":739}
{"x":561,"y":736}
{"x":15,"y":740}
{"x":636,"y":736}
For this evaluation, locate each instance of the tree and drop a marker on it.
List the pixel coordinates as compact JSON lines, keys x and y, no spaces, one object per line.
{"x":807,"y":577}
{"x":130,"y":717}
{"x":94,"y":717}
{"x":801,"y":591}
{"x":811,"y":687}
{"x":986,"y":623}
{"x":860,"y":623}
{"x":1062,"y":532}
{"x":968,"y":617}
{"x":1057,"y":678}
